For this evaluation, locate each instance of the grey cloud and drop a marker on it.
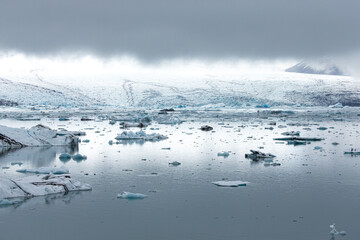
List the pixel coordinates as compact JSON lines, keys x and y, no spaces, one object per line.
{"x":159,"y":29}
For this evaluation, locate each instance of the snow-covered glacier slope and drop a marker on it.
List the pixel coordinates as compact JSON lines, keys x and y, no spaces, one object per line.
{"x":40,"y":87}
{"x":322,"y":66}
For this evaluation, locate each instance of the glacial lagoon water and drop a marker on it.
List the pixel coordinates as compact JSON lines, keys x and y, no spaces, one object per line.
{"x":297,"y":200}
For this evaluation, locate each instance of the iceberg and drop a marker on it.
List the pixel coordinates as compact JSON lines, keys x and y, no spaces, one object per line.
{"x":129,"y":195}
{"x":223,"y":154}
{"x":206,"y":128}
{"x":39,"y":185}
{"x":334,"y":232}
{"x":65,"y":156}
{"x":16,"y":163}
{"x":38,"y":135}
{"x":291,"y":133}
{"x":230,"y":183}
{"x":45,"y":170}
{"x":79,"y":157}
{"x":140,"y":135}
{"x":299,"y":139}
{"x":257,"y":155}
{"x":175,"y":163}
{"x":337,"y":105}
{"x":128,"y":125}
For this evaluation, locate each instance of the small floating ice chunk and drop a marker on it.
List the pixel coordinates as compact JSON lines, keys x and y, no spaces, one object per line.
{"x":16,"y":163}
{"x":129,"y":195}
{"x":175,"y":163}
{"x":223,"y":154}
{"x":230,"y":183}
{"x":46,"y":170}
{"x":342,"y":233}
{"x":65,"y":156}
{"x":291,"y":133}
{"x":337,"y":105}
{"x":334,"y":232}
{"x":128,"y":125}
{"x":79,"y":157}
{"x":206,"y":128}
{"x":64,"y":119}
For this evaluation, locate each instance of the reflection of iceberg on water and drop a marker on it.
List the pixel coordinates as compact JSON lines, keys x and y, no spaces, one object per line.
{"x":36,"y":156}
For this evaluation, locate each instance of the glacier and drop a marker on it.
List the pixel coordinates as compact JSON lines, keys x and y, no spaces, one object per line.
{"x":158,"y":91}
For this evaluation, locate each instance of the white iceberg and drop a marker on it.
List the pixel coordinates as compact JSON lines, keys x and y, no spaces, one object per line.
{"x":337,"y":105}
{"x":140,"y":135}
{"x":230,"y":183}
{"x":38,"y":135}
{"x":129,"y":195}
{"x":39,"y":185}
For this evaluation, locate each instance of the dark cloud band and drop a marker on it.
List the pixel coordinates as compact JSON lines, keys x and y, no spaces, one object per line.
{"x":160,"y":29}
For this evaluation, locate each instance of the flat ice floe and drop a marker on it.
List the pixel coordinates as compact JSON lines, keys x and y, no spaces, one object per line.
{"x":129,"y":195}
{"x":38,"y":135}
{"x":230,"y":183}
{"x":140,"y":135}
{"x":38,"y":185}
{"x":46,"y":170}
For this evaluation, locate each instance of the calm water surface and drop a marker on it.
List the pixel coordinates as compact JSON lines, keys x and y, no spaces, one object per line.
{"x":297,"y":200}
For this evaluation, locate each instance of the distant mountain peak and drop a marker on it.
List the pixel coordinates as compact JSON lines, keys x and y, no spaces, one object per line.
{"x":322,"y":66}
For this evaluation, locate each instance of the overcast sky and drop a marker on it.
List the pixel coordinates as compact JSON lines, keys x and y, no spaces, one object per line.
{"x":165,"y":29}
